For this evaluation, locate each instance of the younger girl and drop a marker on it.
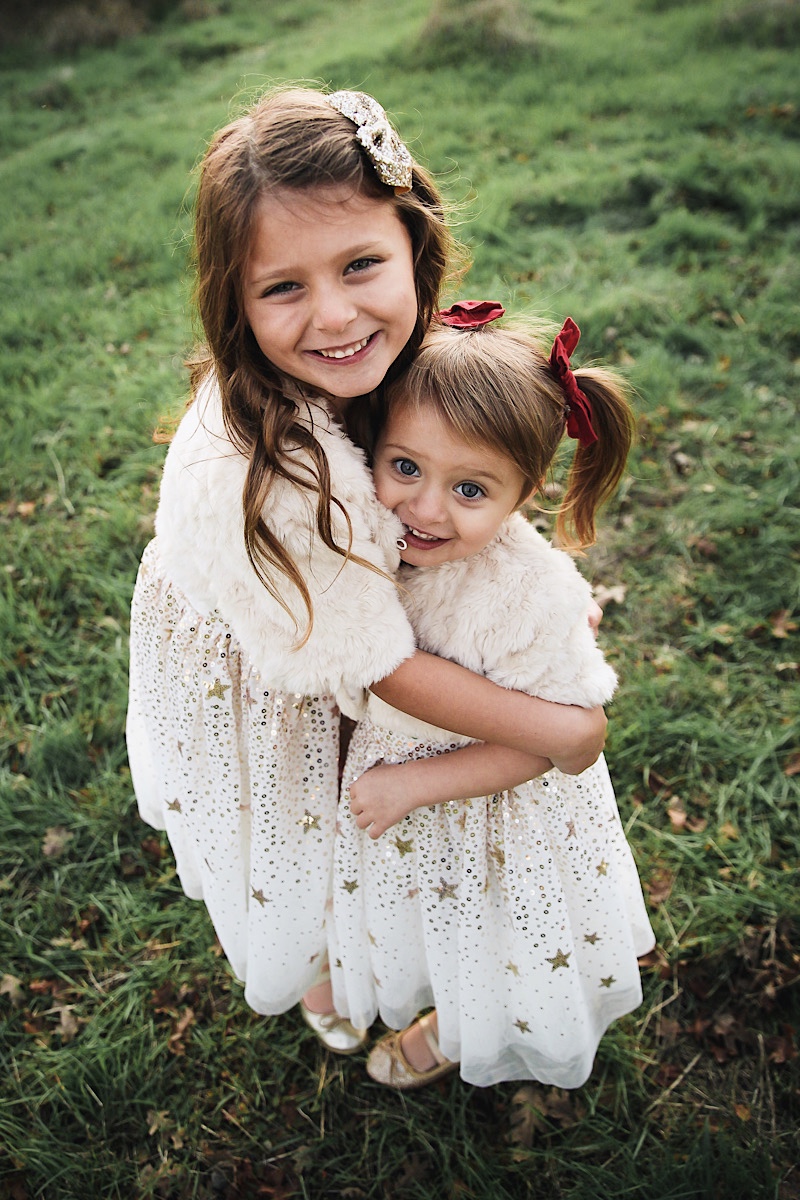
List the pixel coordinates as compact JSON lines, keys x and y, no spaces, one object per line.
{"x":520,"y":914}
{"x":321,"y":249}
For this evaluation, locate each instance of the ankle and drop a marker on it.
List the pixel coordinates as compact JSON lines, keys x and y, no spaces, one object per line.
{"x":319,"y":998}
{"x":415,"y":1046}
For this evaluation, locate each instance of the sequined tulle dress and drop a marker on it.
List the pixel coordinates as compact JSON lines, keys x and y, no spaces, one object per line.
{"x":520,"y":915}
{"x":233,"y":732}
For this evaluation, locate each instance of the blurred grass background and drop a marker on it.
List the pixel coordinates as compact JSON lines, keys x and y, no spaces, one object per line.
{"x":633,"y":163}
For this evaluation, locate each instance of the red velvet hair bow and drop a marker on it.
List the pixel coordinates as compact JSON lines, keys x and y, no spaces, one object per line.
{"x":579,"y":410}
{"x":471,"y":314}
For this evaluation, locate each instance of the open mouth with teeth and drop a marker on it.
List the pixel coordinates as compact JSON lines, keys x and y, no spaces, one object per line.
{"x":422,"y":541}
{"x":346,"y":351}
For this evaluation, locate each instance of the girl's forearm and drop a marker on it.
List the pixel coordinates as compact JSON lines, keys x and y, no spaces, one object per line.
{"x":445,"y":694}
{"x":388,"y":792}
{"x":478,"y":770}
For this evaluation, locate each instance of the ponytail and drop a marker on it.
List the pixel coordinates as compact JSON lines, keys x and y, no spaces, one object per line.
{"x":598,"y":467}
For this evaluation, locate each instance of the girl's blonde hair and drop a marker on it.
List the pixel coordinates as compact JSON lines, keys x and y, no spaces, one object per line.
{"x":495,"y":387}
{"x":292,"y":138}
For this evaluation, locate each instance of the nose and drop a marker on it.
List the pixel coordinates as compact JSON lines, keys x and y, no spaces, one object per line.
{"x":334,"y":309}
{"x":427,"y":508}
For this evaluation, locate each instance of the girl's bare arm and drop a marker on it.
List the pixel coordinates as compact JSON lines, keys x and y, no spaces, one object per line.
{"x":385,"y":794}
{"x":445,"y":694}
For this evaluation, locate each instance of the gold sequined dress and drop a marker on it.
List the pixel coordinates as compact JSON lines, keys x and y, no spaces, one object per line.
{"x":519,"y":916}
{"x":233,"y":730}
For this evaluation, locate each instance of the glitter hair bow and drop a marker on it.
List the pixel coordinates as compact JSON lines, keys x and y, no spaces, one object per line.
{"x":579,"y":409}
{"x":471,"y":314}
{"x":389,"y":156}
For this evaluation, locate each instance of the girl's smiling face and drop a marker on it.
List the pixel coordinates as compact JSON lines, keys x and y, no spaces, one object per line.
{"x":329,"y":288}
{"x":452,"y":496}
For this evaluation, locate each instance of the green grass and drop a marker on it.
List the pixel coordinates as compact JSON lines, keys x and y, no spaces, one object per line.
{"x":632,"y":162}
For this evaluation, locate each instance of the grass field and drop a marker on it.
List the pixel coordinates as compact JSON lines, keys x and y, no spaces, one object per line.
{"x":634,"y":163}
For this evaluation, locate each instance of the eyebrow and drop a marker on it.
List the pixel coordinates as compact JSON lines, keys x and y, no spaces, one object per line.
{"x":477,"y":473}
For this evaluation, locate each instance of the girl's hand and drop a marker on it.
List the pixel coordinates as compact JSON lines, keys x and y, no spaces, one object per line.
{"x":595,"y":616}
{"x":382,"y":796}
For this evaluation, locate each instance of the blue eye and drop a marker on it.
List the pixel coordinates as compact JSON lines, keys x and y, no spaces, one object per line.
{"x":280,"y":289}
{"x":362,"y":264}
{"x":470,"y":491}
{"x":405,"y":466}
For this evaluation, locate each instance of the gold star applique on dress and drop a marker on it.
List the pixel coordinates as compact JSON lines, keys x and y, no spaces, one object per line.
{"x":499,"y":855}
{"x":602,"y":867}
{"x":412,"y":892}
{"x":513,"y":968}
{"x":350,"y":886}
{"x":607,"y":982}
{"x":571,"y":832}
{"x":309,"y":821}
{"x":445,"y":891}
{"x":522,"y":1026}
{"x":217,"y":690}
{"x":174,"y":806}
{"x":561,"y":960}
{"x":404,"y":847}
{"x":258,"y":895}
{"x":591,"y":938}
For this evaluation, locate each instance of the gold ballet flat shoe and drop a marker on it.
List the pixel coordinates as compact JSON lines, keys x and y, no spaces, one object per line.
{"x":387,"y":1064}
{"x":335,"y":1032}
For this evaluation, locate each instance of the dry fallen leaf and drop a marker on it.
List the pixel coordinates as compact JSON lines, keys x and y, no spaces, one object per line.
{"x":12,"y":987}
{"x":605,"y":595}
{"x":526,"y":1118}
{"x":55,"y":841}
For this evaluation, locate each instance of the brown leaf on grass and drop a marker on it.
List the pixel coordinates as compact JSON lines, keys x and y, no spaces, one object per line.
{"x":659,"y":886}
{"x":793,"y":766}
{"x":606,"y":595}
{"x":180,"y":1032}
{"x":26,"y":508}
{"x":676,"y":812}
{"x":12,"y":987}
{"x":781,"y":1047}
{"x":707,"y":547}
{"x":55,"y":841}
{"x":526,"y":1118}
{"x":67,"y":1024}
{"x":534,"y":1110}
{"x":782,"y":626}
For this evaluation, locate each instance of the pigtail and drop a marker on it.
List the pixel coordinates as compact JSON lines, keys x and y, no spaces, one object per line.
{"x":596,"y":468}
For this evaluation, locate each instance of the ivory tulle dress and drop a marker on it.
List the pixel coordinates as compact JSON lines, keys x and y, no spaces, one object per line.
{"x":233,"y":732}
{"x":519,"y":915}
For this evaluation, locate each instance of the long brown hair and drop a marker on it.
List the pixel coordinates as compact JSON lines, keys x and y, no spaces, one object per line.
{"x":290,"y":139}
{"x":494,"y":387}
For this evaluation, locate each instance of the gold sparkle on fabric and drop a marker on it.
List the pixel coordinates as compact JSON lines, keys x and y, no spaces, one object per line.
{"x":561,"y":960}
{"x":591,"y":938}
{"x":404,"y":847}
{"x":309,"y":821}
{"x":571,"y":832}
{"x":217,"y":690}
{"x":445,"y":891}
{"x":522,"y":1026}
{"x":258,"y":894}
{"x":513,"y":968}
{"x":350,"y":885}
{"x":602,"y":867}
{"x":412,"y":892}
{"x":607,"y":982}
{"x":499,"y":855}
{"x":174,"y":806}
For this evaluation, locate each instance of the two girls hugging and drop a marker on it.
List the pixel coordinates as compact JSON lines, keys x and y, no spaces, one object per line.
{"x":340,"y":532}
